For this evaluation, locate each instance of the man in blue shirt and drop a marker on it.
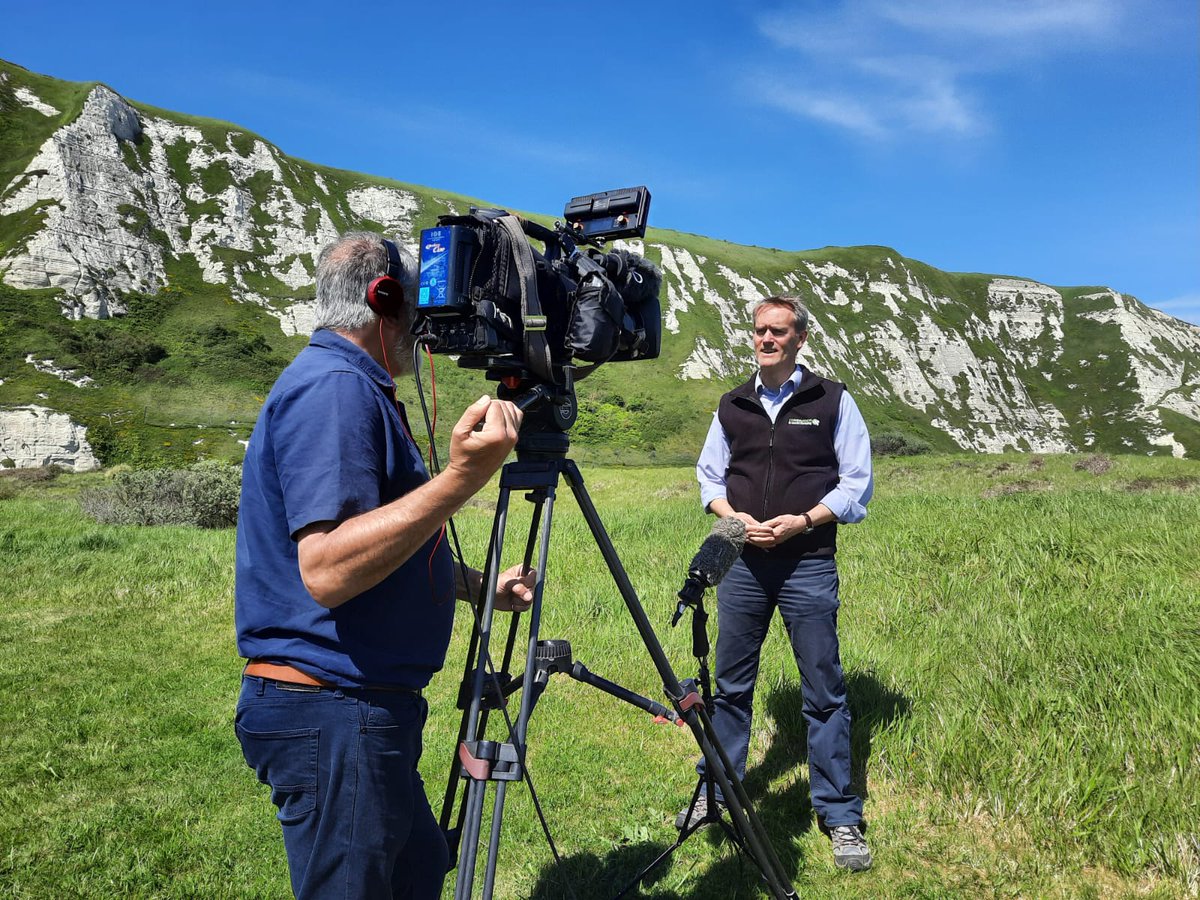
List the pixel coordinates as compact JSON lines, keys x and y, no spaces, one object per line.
{"x":788,"y":454}
{"x":345,"y":585}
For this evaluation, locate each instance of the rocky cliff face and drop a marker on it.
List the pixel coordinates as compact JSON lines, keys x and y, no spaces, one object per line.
{"x":32,"y":436}
{"x":115,"y":201}
{"x":885,"y":331}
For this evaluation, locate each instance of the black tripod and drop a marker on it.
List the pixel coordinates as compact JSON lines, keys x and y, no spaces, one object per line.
{"x":541,"y":460}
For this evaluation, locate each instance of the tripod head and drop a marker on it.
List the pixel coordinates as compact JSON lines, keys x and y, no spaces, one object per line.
{"x":550,"y":411}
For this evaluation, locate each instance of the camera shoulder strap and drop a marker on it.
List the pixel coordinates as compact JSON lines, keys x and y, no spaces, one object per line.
{"x":533,"y":321}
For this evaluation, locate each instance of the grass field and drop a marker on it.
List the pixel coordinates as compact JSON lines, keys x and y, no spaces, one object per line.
{"x":1020,"y":638}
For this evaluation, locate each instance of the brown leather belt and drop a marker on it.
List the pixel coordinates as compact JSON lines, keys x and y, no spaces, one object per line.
{"x":256,"y":668}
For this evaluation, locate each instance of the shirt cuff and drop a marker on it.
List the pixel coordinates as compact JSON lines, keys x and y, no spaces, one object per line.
{"x":711,"y":492}
{"x":843,"y":506}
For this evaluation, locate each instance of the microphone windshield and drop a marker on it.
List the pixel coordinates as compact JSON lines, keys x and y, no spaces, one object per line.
{"x":720,"y":550}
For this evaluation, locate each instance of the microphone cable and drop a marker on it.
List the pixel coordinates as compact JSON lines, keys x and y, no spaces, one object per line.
{"x":435,"y":464}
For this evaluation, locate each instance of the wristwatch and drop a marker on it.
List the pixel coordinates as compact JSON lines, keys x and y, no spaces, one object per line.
{"x":808,"y":522}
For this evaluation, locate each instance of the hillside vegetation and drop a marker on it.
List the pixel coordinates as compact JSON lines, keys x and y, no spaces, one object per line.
{"x":169,"y":259}
{"x":1019,"y":635}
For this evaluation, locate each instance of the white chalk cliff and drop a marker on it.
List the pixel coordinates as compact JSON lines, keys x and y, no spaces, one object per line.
{"x":32,"y":436}
{"x":116,"y":195}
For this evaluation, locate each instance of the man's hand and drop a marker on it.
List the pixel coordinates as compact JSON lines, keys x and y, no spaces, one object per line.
{"x":757,"y":533}
{"x":780,"y":528}
{"x":514,"y":589}
{"x":482,"y":440}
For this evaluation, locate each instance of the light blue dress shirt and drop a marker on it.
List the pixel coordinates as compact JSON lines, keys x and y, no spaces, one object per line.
{"x":848,"y":501}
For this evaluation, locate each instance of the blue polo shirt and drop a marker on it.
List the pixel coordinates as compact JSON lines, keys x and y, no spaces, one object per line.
{"x":330,"y":444}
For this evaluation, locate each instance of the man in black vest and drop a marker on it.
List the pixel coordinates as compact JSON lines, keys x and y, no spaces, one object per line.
{"x":788,"y":454}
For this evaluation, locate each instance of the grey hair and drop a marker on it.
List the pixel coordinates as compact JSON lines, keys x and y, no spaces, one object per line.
{"x":795,"y":304}
{"x":346,"y":268}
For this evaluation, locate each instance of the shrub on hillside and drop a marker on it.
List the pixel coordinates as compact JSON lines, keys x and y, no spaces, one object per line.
{"x":896,"y":443}
{"x":228,"y":354}
{"x":108,"y":351}
{"x":205,"y":495}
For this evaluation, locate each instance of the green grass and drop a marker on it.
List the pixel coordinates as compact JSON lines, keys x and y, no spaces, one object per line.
{"x":1019,"y":637}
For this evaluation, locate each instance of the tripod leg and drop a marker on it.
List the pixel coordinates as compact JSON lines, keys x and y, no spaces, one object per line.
{"x":453,"y":836}
{"x":473,"y":804}
{"x":469,"y":839}
{"x":484,"y":761}
{"x":489,"y":876}
{"x":485,"y":623}
{"x":528,"y":694}
{"x":455,"y":766}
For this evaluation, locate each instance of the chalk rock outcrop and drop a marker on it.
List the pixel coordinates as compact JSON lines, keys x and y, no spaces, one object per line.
{"x":887,"y":334}
{"x":34,"y":436}
{"x":117,"y":193}
{"x":79,"y":182}
{"x":33,"y":101}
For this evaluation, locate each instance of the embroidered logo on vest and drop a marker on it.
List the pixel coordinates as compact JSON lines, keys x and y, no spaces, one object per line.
{"x":804,"y":421}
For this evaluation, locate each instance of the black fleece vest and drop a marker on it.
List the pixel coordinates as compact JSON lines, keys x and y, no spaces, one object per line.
{"x":785,"y":467}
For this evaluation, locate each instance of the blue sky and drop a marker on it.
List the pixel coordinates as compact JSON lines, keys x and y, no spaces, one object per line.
{"x":1057,"y":140}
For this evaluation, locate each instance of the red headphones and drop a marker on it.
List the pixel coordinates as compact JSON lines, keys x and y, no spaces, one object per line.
{"x":385,"y":295}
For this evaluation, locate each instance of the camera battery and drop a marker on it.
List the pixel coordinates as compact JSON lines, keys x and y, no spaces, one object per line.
{"x":447,"y":253}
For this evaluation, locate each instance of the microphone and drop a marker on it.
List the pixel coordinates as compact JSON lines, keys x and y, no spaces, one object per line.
{"x":715,"y":558}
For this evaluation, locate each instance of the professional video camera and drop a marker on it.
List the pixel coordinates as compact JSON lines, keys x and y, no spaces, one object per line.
{"x":553,"y":316}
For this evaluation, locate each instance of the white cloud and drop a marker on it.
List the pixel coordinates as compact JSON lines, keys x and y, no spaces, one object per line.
{"x":841,"y":109}
{"x":1005,"y":19}
{"x":926,"y":94}
{"x":884,"y":69}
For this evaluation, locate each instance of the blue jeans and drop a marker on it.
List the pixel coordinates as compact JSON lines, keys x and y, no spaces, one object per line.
{"x":806,"y":593}
{"x":342,"y":770}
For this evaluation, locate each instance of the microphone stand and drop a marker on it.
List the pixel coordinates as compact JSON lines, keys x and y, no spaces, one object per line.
{"x":691,"y":596}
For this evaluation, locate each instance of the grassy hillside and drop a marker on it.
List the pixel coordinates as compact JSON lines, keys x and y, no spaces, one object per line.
{"x":182,"y":376}
{"x":1018,"y":633}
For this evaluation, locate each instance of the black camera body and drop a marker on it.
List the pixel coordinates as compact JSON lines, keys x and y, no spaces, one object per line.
{"x":487,"y":295}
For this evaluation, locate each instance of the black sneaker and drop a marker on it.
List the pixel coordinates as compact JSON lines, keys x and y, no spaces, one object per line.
{"x":850,"y":850}
{"x":699,"y":812}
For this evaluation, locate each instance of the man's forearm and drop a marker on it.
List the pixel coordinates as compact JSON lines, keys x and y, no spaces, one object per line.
{"x":821,"y":515}
{"x":339,"y":561}
{"x":467,"y":588}
{"x":720,"y":507}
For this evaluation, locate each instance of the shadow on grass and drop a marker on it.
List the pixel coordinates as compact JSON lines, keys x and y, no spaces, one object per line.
{"x":873,"y":705}
{"x":786,"y":814}
{"x":586,"y":876}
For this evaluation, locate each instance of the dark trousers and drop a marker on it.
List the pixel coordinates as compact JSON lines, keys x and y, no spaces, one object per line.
{"x":343,"y":774}
{"x":806,"y":594}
